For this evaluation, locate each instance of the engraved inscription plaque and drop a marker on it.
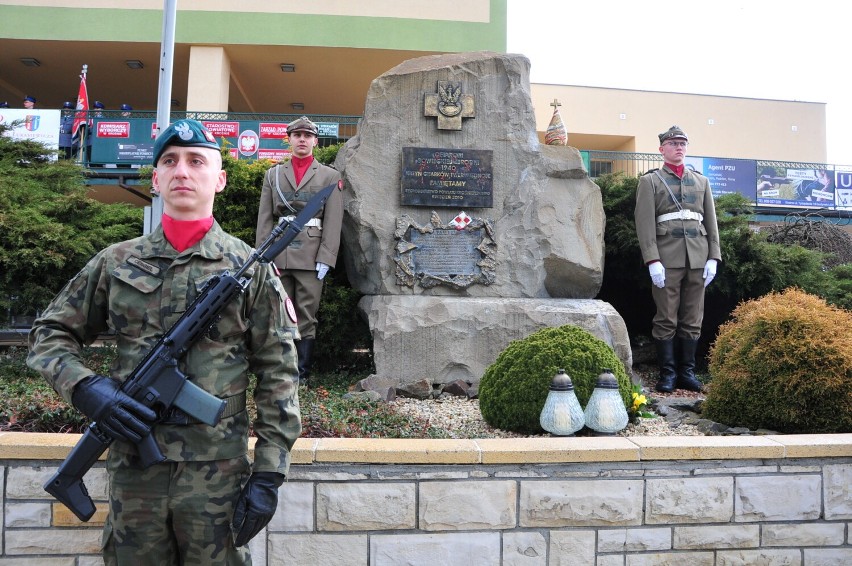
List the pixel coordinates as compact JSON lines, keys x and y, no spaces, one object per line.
{"x":446,"y":253}
{"x":447,"y":177}
{"x":455,"y":255}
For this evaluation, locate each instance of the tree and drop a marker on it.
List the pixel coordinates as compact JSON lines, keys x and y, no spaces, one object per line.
{"x":49,"y":227}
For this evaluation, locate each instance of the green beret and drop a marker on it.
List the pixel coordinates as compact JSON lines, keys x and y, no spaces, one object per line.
{"x":673,"y":133}
{"x":188,"y":133}
{"x":302,"y":125}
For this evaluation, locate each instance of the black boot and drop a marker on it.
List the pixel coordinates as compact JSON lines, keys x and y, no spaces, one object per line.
{"x":666,"y":363}
{"x":305,"y":349}
{"x":686,"y":364}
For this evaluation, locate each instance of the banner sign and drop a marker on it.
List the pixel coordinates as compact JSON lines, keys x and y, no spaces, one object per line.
{"x":113,"y":129}
{"x":249,"y":139}
{"x":328,"y":129}
{"x":843,"y":188}
{"x":35,"y":125}
{"x":782,"y":186}
{"x":726,"y":175}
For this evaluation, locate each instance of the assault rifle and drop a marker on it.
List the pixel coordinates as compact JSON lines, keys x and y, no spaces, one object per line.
{"x":158,"y":383}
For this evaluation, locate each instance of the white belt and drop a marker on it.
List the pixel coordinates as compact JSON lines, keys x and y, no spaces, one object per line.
{"x":312,"y":222}
{"x":681,"y":215}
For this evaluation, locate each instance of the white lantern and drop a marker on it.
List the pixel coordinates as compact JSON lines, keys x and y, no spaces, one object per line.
{"x":605,"y":413}
{"x":562,"y":414}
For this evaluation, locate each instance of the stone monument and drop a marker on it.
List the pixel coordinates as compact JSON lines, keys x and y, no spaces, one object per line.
{"x":461,"y":229}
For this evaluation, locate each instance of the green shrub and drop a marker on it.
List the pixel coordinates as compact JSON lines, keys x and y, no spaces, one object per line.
{"x":29,"y":404}
{"x":783,"y":363}
{"x":513,"y":389}
{"x":49,"y":227}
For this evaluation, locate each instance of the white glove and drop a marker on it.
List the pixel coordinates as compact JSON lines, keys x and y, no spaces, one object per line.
{"x":658,"y":274}
{"x":322,"y":269}
{"x":709,"y":271}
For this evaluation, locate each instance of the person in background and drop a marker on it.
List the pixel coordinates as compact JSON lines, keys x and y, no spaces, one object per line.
{"x":125,"y":110}
{"x":206,"y":500}
{"x":4,"y":104}
{"x":287,"y":187}
{"x":820,"y":190}
{"x":66,"y":122}
{"x":97,"y":112}
{"x":29,"y":102}
{"x":679,"y":239}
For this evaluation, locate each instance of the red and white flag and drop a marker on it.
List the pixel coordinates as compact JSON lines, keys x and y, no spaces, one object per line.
{"x":82,"y":105}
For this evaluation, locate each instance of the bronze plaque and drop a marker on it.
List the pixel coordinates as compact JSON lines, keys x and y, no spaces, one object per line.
{"x":446,"y":253}
{"x":447,"y":177}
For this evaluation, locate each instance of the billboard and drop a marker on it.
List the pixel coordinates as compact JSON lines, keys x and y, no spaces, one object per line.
{"x":787,"y":186}
{"x":726,"y":175}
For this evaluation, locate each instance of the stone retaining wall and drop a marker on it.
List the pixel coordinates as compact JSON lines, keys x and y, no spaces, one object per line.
{"x":637,"y":501}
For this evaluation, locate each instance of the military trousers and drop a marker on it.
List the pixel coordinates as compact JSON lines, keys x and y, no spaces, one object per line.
{"x":305,"y":291}
{"x":680,"y":304}
{"x":174,"y":513}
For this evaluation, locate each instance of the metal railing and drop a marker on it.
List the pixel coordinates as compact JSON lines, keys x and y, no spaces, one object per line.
{"x":117,"y":139}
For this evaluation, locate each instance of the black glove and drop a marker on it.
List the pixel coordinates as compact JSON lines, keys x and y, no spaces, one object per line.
{"x":256,"y":505}
{"x":116,"y":413}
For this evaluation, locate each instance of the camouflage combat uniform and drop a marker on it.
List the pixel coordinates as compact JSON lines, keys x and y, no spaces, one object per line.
{"x":138,"y":289}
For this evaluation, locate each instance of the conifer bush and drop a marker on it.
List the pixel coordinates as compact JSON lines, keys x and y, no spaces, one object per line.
{"x":784,"y":363}
{"x":513,"y":389}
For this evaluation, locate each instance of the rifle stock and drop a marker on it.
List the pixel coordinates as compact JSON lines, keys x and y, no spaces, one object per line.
{"x":157,"y":382}
{"x":67,"y":485}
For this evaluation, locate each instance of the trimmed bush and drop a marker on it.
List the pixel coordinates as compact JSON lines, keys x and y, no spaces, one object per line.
{"x":783,"y":363}
{"x":513,"y":389}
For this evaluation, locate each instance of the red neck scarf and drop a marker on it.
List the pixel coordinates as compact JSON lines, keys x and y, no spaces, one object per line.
{"x":676,"y":169}
{"x":183,"y":234}
{"x":300,"y":165}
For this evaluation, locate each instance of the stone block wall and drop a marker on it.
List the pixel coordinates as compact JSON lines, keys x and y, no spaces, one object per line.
{"x":638,"y":501}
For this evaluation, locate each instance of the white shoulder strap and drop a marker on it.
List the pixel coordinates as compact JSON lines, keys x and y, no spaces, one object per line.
{"x":274,"y":171}
{"x":666,"y":185}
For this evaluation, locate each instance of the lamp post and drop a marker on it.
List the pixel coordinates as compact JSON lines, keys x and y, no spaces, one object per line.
{"x":562,"y":414}
{"x":605,"y":413}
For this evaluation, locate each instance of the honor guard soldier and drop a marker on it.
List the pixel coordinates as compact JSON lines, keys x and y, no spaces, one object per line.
{"x":676,"y":225}
{"x":286,"y":188}
{"x":66,"y":123}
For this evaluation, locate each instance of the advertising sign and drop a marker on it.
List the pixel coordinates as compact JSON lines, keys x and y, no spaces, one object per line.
{"x":843,"y":188}
{"x":726,"y":175}
{"x":783,"y":186}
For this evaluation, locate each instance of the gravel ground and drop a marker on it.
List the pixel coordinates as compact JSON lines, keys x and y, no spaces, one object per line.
{"x":462,"y":417}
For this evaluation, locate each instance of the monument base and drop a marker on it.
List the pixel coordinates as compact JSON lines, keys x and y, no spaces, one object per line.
{"x":443,"y":339}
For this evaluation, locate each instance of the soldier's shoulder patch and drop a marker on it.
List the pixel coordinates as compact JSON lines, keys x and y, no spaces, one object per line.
{"x":291,"y":310}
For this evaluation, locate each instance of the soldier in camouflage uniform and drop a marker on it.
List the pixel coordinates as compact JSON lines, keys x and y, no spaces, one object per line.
{"x":287,"y":187}
{"x":206,"y":500}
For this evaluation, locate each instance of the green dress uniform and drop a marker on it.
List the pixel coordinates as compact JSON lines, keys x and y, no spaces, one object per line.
{"x":676,"y":225}
{"x":137,"y":289}
{"x":680,"y":241}
{"x":280,"y":197}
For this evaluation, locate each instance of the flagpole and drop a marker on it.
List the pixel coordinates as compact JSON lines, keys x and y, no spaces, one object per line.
{"x":164,"y":98}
